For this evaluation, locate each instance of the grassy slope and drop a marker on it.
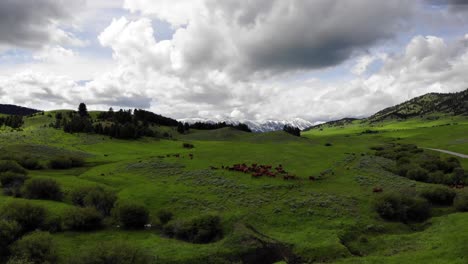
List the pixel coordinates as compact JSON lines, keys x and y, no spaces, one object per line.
{"x":311,"y":216}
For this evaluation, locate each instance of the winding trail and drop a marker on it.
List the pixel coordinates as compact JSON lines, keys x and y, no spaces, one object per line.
{"x":450,"y":152}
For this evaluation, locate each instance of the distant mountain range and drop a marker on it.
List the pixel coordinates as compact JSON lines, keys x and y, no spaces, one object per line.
{"x":431,"y":104}
{"x":265,"y":126}
{"x":16,"y":110}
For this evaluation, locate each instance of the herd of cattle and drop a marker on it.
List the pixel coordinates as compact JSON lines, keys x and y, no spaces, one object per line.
{"x":258,"y":170}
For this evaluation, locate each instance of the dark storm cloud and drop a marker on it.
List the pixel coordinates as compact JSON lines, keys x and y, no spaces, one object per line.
{"x":318,"y":34}
{"x":271,"y":36}
{"x":28,"y":23}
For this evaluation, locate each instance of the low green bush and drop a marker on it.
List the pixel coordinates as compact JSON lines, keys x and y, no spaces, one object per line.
{"x":62,"y":163}
{"x":26,"y":214}
{"x":9,"y":232}
{"x":44,"y":189}
{"x":402,"y":207}
{"x":461,"y":201}
{"x":131,"y":215}
{"x":417,"y":174}
{"x":37,"y":247}
{"x":165,"y":216}
{"x":101,"y":199}
{"x":113,"y":253}
{"x":82,"y":219}
{"x":203,"y":229}
{"x":12,"y":183}
{"x":439,"y":195}
{"x":29,"y":163}
{"x":9,"y":179}
{"x":11,"y":166}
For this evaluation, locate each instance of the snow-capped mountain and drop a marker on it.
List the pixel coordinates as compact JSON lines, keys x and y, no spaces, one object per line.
{"x":265,"y":126}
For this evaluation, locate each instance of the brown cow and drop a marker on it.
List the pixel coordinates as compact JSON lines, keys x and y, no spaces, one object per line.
{"x":377,"y":190}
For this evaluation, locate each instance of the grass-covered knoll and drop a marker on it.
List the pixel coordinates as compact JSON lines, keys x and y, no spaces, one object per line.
{"x":193,"y":211}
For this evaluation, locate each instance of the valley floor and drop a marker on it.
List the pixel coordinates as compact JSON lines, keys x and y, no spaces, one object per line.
{"x":329,"y":219}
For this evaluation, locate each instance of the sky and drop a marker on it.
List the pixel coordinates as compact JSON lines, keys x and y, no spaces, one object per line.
{"x":258,"y":60}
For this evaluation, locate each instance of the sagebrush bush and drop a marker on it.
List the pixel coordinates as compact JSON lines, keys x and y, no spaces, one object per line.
{"x":439,"y":195}
{"x":131,"y":216}
{"x":11,"y":166}
{"x":417,"y":174}
{"x":44,"y":189}
{"x":12,"y":183}
{"x":461,"y":202}
{"x":402,"y":207}
{"x":9,"y":232}
{"x":26,"y":214}
{"x":29,"y":163}
{"x":37,"y":247}
{"x":9,"y":179}
{"x":82,"y":219}
{"x":62,"y":163}
{"x":113,"y":252}
{"x":165,"y":216}
{"x":101,"y":199}
{"x":203,"y":229}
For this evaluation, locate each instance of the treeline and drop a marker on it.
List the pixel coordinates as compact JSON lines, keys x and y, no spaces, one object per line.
{"x":212,"y":126}
{"x":292,"y":130}
{"x":17,"y":110}
{"x":128,"y":124}
{"x":121,"y":124}
{"x":138,"y":115}
{"x":14,"y":121}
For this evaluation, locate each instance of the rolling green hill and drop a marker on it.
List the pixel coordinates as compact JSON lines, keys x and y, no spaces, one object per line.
{"x":428,"y":107}
{"x":326,"y":213}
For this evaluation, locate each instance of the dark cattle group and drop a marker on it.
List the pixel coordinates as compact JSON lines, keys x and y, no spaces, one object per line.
{"x":257,"y":171}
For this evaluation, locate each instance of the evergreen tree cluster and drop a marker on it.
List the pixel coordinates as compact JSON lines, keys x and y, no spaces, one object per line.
{"x":212,"y":126}
{"x":122,"y":124}
{"x":292,"y":130}
{"x":182,"y":128}
{"x":13,"y":121}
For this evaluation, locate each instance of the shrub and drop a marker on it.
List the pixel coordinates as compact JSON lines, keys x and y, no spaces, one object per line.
{"x":9,"y":179}
{"x":437,"y":177}
{"x":131,"y":216}
{"x":165,"y":216}
{"x":400,"y":207}
{"x":461,"y":202}
{"x":52,"y":223}
{"x":12,"y":183}
{"x":11,"y":166}
{"x":9,"y":232}
{"x":27,"y":215}
{"x":82,"y":219}
{"x":439,"y":195}
{"x":29,"y":163}
{"x":188,"y":145}
{"x":37,"y":247}
{"x":62,"y":163}
{"x":417,"y":174}
{"x":203,"y":229}
{"x":417,"y":210}
{"x":45,"y":189}
{"x":113,"y":252}
{"x":101,"y":199}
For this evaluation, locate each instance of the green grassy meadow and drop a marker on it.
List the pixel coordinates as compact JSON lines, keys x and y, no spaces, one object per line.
{"x":329,"y":220}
